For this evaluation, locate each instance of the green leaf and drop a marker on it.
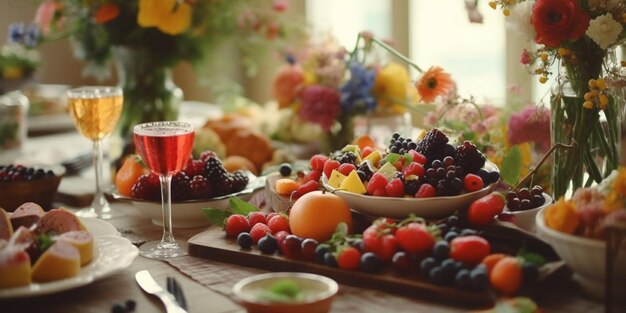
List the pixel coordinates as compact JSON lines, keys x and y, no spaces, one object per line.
{"x":512,"y":166}
{"x":392,"y":157}
{"x":216,"y":216}
{"x":239,"y":206}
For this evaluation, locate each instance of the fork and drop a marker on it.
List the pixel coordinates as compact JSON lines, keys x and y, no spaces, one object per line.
{"x":75,"y":165}
{"x":173,"y":286}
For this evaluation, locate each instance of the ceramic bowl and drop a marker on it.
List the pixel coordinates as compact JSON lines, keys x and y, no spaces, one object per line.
{"x":586,"y":257}
{"x":319,"y":292}
{"x":188,"y":214}
{"x":40,"y":191}
{"x":526,"y":219}
{"x":429,"y":208}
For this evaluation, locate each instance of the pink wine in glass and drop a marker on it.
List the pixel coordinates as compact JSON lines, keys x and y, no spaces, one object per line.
{"x":166,"y":147}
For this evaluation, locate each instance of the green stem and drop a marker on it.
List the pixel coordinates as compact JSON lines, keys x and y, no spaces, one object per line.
{"x":397,"y":54}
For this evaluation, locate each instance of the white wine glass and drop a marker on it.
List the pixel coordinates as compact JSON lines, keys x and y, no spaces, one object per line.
{"x":165,"y":148}
{"x":95,"y":111}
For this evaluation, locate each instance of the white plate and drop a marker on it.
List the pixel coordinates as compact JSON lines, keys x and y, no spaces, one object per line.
{"x":187,"y":214}
{"x":429,"y":208}
{"x":112,"y":253}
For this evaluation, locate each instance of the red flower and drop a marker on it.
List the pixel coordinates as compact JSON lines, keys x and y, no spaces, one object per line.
{"x":525,"y":58}
{"x":320,"y":105}
{"x":558,"y":20}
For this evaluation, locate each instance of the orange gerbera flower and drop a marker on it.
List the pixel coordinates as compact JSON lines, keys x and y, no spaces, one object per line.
{"x":434,"y":83}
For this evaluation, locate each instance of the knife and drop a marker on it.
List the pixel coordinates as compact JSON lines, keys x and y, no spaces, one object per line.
{"x":147,"y":283}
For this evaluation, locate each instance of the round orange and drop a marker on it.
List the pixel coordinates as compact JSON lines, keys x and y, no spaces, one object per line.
{"x":317,"y":214}
{"x":128,"y":174}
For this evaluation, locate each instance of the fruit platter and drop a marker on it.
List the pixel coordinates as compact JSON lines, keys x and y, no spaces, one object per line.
{"x":204,"y":182}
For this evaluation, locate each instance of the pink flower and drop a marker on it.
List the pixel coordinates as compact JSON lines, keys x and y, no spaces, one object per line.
{"x":532,"y":124}
{"x":525,"y":57}
{"x":320,"y":105}
{"x":479,"y":128}
{"x":515,"y":88}
{"x":45,"y":15}
{"x":280,"y":5}
{"x":431,"y":119}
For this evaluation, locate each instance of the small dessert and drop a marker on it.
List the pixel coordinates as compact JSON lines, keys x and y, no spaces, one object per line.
{"x":26,"y":215}
{"x":60,"y":261}
{"x":59,"y":221}
{"x":83,"y":241}
{"x":14,"y":268}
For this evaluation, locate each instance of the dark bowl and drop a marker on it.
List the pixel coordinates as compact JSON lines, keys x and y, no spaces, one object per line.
{"x":41,"y":191}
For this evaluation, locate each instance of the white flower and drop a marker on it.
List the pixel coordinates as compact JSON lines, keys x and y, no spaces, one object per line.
{"x":604,"y":30}
{"x":519,"y":19}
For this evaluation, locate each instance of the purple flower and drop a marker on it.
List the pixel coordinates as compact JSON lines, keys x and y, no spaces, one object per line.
{"x":320,"y":105}
{"x":17,"y":32}
{"x":356,"y":93}
{"x":532,"y":124}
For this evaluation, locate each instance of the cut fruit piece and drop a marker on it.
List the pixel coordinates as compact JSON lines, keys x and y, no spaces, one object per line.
{"x":83,"y":242}
{"x":60,"y":261}
{"x":27,"y":215}
{"x":6,"y":229}
{"x":388,"y":171}
{"x":374,"y":157}
{"x":59,"y":221}
{"x":336,"y":178}
{"x":352,"y":148}
{"x":14,"y":268}
{"x":353,"y":183}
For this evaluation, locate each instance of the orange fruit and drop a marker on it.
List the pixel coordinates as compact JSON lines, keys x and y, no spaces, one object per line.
{"x":285,"y":186}
{"x":237,"y":162}
{"x":317,"y":214}
{"x":506,"y":276}
{"x":128,"y":174}
{"x":491,"y":260}
{"x":364,"y":141}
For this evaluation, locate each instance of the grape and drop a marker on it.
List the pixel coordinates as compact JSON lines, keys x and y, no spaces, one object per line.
{"x":308,"y":249}
{"x":370,"y":262}
{"x":401,"y":262}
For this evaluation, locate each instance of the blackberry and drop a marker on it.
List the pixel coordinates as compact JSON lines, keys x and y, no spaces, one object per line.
{"x":147,"y":187}
{"x":469,"y":157}
{"x":180,"y":187}
{"x":348,"y":157}
{"x":411,"y":186}
{"x":432,"y":144}
{"x":223,"y":186}
{"x":240,"y":181}
{"x":367,"y":168}
{"x":214,"y":169}
{"x":200,"y":188}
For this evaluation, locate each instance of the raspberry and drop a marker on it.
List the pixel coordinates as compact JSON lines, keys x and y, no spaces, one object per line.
{"x":278,"y":223}
{"x":329,"y":166}
{"x":180,"y":187}
{"x":472,"y":182}
{"x":377,"y":181}
{"x":426,"y":191}
{"x":235,"y":225}
{"x":418,"y":157}
{"x":256,"y":217}
{"x":270,"y":215}
{"x":346,"y":168}
{"x":413,"y":168}
{"x":194,"y":167}
{"x":395,"y":188}
{"x":317,"y":162}
{"x":468,"y":157}
{"x":200,"y":188}
{"x":207,"y":154}
{"x":313,"y":175}
{"x":258,"y":231}
{"x":147,"y":187}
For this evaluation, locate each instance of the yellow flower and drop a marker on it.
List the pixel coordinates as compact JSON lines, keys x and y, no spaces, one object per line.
{"x":12,"y":72}
{"x":588,"y":96}
{"x":506,"y":12}
{"x":604,"y":101}
{"x":543,"y":79}
{"x":493,"y":4}
{"x":601,"y":83}
{"x":392,"y":83}
{"x":563,"y":52}
{"x":544,"y":57}
{"x":592,"y":83}
{"x":588,"y":105}
{"x":619,"y":184}
{"x":168,"y":16}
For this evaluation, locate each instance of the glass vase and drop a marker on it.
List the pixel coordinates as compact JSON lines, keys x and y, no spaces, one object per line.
{"x":150,"y":95}
{"x":594,"y":133}
{"x":340,"y":135}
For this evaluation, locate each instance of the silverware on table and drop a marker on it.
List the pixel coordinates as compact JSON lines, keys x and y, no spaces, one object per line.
{"x":147,"y":283}
{"x":75,"y":165}
{"x":174,"y":287}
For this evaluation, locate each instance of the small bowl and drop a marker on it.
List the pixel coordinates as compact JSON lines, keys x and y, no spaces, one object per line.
{"x":319,"y":293}
{"x":526,"y":219}
{"x":586,"y":257}
{"x":40,"y":191}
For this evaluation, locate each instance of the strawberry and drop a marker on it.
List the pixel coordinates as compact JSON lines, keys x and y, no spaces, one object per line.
{"x":278,"y":223}
{"x":470,"y":250}
{"x":414,"y":238}
{"x":259,"y":231}
{"x":235,"y":225}
{"x":256,"y":217}
{"x":380,"y":192}
{"x":482,"y":211}
{"x":346,"y":168}
{"x":317,"y":162}
{"x":313,"y":175}
{"x":270,"y":215}
{"x":472,"y":182}
{"x":329,"y":166}
{"x":426,"y":191}
{"x":380,"y":242}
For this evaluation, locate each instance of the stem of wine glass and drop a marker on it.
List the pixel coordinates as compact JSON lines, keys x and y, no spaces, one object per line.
{"x":167,"y":241}
{"x":100,"y":203}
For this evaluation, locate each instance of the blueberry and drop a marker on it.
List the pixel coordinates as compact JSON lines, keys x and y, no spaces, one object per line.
{"x":401,"y":262}
{"x":437,"y":276}
{"x":448,"y":266}
{"x":443,"y":227}
{"x":130,"y":304}
{"x":493,"y":177}
{"x":285,"y":169}
{"x":455,"y":229}
{"x":330,"y":260}
{"x":478,"y":277}
{"x":468,"y":232}
{"x":320,"y":252}
{"x":268,"y":244}
{"x":244,"y":240}
{"x":484,"y":174}
{"x":426,"y":265}
{"x":118,"y":308}
{"x":357,"y":243}
{"x":451,"y":235}
{"x":370,"y":262}
{"x":441,"y":250}
{"x":453,"y":220}
{"x":462,"y":279}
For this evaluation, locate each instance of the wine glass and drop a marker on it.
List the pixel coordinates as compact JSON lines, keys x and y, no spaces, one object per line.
{"x":95,"y":111}
{"x":165,"y":147}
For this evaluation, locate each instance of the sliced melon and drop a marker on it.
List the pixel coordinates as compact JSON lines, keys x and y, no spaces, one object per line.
{"x":388,"y":170}
{"x":6,"y":228}
{"x":83,"y":241}
{"x":59,"y":221}
{"x":14,"y":268}
{"x":336,"y":178}
{"x":60,"y":261}
{"x":353,"y":183}
{"x":374,"y":157}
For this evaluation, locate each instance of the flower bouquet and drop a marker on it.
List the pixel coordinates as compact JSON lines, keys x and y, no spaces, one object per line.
{"x":18,"y":58}
{"x":587,"y":97}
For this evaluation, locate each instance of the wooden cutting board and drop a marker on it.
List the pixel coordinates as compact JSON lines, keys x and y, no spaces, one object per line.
{"x":213,"y":244}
